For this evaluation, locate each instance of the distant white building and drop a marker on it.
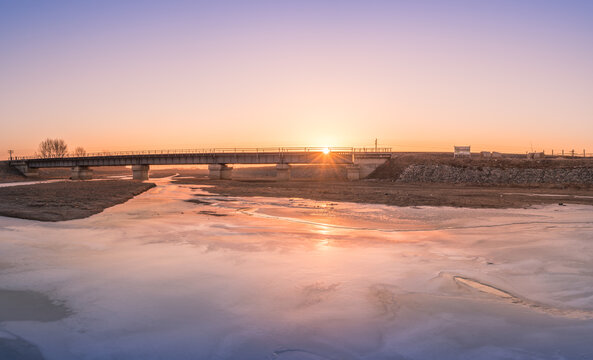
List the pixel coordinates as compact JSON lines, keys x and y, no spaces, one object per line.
{"x":536,"y":155}
{"x":462,"y":151}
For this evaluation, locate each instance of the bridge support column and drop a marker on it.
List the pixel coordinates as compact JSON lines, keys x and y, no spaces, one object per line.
{"x":140,"y":172}
{"x":220,"y":172}
{"x":81,"y":173}
{"x":24,"y":169}
{"x":32,"y":172}
{"x":368,"y":165}
{"x":282,"y":172}
{"x":353,"y":172}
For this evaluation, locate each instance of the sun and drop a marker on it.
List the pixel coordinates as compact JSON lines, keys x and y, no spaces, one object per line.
{"x":325,"y":151}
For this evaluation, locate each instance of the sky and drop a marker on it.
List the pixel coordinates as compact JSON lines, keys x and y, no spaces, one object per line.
{"x":502,"y":75}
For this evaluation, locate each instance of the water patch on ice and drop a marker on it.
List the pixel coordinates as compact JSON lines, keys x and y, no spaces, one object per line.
{"x":15,"y":348}
{"x":25,"y":306}
{"x":211,"y":213}
{"x":30,"y":306}
{"x":298,"y":354}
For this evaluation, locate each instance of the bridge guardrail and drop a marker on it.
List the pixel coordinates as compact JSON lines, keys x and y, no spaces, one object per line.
{"x":268,"y":150}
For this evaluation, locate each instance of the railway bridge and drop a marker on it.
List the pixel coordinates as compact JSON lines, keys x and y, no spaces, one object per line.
{"x":360,"y":162}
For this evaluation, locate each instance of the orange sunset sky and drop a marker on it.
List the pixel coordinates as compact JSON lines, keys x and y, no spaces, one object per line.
{"x":418,"y":75}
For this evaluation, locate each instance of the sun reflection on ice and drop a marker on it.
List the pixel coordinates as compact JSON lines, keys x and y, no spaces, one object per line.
{"x":324,"y":242}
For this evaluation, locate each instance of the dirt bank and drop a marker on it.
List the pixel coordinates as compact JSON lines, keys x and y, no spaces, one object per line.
{"x":66,"y":200}
{"x":442,"y":168}
{"x":496,"y":176}
{"x":390,"y":193}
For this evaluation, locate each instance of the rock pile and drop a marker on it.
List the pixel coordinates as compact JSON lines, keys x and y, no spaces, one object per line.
{"x":435,"y":173}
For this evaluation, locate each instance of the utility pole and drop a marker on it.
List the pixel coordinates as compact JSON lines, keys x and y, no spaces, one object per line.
{"x":375,"y":144}
{"x":10,"y":152}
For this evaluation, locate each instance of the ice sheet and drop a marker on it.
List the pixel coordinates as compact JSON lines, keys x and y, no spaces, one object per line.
{"x":264,"y":278}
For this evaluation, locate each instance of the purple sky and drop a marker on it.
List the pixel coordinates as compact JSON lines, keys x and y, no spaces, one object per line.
{"x":418,"y":75}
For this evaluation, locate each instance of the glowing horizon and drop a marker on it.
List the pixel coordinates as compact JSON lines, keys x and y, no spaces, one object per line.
{"x":504,"y":76}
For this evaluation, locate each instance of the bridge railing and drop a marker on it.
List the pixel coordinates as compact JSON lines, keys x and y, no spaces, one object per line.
{"x":266,"y":150}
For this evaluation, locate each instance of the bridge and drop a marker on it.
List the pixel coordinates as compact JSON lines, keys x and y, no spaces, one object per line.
{"x":360,"y":162}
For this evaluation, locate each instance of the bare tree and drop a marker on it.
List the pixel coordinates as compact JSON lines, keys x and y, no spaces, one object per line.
{"x":79,"y":151}
{"x":53,"y":148}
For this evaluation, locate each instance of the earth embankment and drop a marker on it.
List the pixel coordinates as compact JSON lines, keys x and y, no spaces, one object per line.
{"x":442,"y":168}
{"x":66,"y":200}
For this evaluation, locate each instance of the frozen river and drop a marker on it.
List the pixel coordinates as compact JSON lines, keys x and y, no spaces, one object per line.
{"x":268,"y":278}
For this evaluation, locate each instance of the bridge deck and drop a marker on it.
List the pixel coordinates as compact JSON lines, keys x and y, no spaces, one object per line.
{"x":338,"y":156}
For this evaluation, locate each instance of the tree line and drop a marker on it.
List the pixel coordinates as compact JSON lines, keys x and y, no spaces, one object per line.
{"x":57,"y":148}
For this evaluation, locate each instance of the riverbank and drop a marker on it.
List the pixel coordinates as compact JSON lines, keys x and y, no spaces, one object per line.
{"x":396,"y":194}
{"x":66,"y":200}
{"x":415,"y":168}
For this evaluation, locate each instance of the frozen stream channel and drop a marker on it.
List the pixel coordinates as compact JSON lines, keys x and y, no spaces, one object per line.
{"x":160,"y":277}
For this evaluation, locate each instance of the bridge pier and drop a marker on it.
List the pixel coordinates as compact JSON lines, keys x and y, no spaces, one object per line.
{"x":353,"y":172}
{"x":140,"y":172}
{"x":32,"y":172}
{"x":282,"y":172}
{"x":24,"y":169}
{"x":368,"y":165}
{"x":81,"y":173}
{"x":220,"y":172}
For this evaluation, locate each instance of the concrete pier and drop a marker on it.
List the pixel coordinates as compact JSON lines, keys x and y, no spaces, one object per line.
{"x":353,"y":172}
{"x":81,"y":173}
{"x":220,"y":172}
{"x":282,"y":172}
{"x":140,"y":172}
{"x":24,"y":169}
{"x":31,"y":172}
{"x":368,"y":165}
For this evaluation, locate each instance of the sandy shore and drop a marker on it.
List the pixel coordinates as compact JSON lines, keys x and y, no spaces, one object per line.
{"x":66,"y":200}
{"x":389,"y":193}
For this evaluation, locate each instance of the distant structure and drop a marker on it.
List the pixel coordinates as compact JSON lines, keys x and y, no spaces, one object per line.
{"x":536,"y":155}
{"x":359,"y":162}
{"x":490,"y":155}
{"x":462,"y":151}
